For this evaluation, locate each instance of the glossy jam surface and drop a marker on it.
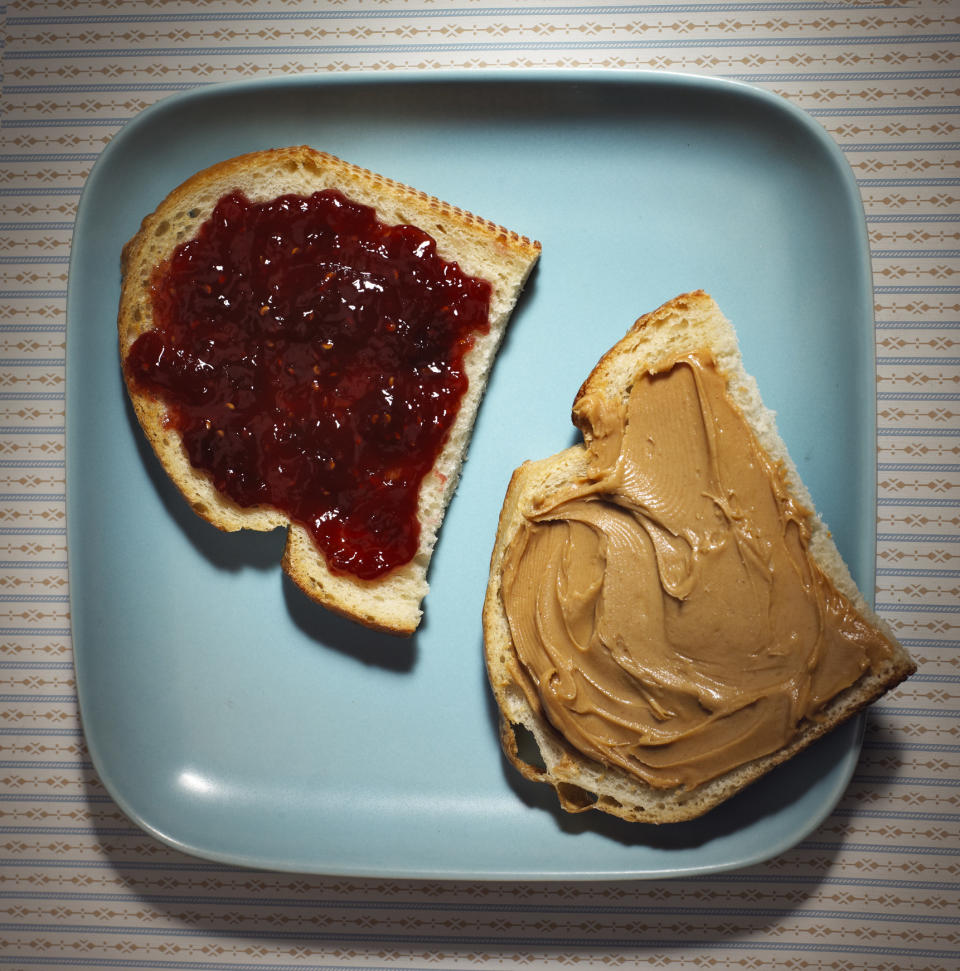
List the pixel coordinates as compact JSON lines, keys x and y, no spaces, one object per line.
{"x":311,"y":358}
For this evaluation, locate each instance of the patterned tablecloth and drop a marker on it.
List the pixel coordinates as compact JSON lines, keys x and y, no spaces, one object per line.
{"x":876,"y":886}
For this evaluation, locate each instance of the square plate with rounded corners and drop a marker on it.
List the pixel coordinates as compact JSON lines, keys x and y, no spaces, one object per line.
{"x":237,"y":721}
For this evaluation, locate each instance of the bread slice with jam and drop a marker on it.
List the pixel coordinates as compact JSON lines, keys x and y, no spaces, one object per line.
{"x":488,"y":263}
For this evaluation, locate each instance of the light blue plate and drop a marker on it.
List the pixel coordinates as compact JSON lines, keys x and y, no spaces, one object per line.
{"x":236,"y":720}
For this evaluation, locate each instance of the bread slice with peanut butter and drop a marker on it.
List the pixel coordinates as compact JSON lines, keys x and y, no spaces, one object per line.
{"x":483,"y":251}
{"x":667,"y":618}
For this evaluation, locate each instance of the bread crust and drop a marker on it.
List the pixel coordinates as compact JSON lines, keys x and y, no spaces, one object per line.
{"x":482,"y":248}
{"x":688,"y":323}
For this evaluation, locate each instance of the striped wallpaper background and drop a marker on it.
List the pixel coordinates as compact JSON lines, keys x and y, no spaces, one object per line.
{"x":876,"y":886}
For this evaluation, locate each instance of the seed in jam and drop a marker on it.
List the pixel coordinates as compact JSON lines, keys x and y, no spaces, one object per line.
{"x":312,"y":359}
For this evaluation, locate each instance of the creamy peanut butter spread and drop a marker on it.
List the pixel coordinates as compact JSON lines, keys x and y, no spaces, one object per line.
{"x":667,"y":614}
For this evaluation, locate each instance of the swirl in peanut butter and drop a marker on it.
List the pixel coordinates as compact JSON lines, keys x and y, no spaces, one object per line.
{"x":667,"y":615}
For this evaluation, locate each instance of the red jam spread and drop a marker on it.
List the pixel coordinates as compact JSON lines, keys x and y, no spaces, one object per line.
{"x":311,"y":358}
